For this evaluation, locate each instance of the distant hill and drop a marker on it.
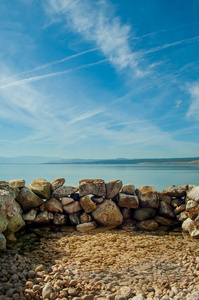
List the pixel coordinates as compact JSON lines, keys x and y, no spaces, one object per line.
{"x":119,"y":161}
{"x":26,"y":159}
{"x":194,"y":160}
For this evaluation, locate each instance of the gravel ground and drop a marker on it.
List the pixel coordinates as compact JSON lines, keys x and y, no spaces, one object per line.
{"x":103,"y":264}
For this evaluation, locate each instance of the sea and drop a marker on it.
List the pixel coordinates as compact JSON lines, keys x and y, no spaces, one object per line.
{"x":159,"y":176}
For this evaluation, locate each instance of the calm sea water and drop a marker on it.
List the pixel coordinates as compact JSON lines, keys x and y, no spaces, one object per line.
{"x":158,"y":176}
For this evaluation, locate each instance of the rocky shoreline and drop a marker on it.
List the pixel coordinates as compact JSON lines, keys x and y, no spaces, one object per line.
{"x":103,"y":264}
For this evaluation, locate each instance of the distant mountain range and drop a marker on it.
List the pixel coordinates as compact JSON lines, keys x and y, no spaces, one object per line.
{"x":58,"y":160}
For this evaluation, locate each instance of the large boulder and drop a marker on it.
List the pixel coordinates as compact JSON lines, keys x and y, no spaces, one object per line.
{"x":166,"y":210}
{"x":41,"y":187}
{"x":148,"y":196}
{"x":144,"y":213}
{"x":92,"y":186}
{"x":57,"y":182}
{"x":19,"y":183}
{"x":128,"y":189}
{"x":10,"y":189}
{"x":3,"y":223}
{"x":53,"y":205}
{"x":8,"y":207}
{"x":112,"y":188}
{"x":130,"y":201}
{"x":87,"y":204}
{"x":150,"y":224}
{"x":64,"y":191}
{"x":16,"y":223}
{"x":66,"y":200}
{"x":2,"y":242}
{"x":176,"y":191}
{"x":28,"y":200}
{"x":107,"y":214}
{"x":193,"y":194}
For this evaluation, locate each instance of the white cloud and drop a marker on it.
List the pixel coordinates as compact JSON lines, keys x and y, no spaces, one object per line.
{"x":96,"y":22}
{"x":193,"y":111}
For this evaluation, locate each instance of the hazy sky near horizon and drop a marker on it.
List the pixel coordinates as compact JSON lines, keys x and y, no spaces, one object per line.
{"x":99,"y":79}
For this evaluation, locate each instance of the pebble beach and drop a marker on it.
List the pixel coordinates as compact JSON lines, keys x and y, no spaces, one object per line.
{"x":102,"y":264}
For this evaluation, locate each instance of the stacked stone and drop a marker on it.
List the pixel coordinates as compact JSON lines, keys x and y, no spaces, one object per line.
{"x":11,"y":220}
{"x":94,"y":203}
{"x":190,"y":217}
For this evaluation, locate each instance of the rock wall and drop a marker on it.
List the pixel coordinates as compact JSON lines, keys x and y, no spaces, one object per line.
{"x":95,"y":203}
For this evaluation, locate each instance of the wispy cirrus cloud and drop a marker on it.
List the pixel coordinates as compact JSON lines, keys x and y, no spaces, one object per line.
{"x":43,"y":66}
{"x":193,"y":111}
{"x":45,"y":76}
{"x":96,"y":23}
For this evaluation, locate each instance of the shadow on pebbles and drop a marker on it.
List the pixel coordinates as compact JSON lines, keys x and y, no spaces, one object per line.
{"x":103,"y":264}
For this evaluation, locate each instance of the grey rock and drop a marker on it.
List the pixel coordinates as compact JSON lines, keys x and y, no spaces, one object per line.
{"x":64,"y":191}
{"x":2,"y":242}
{"x":165,"y":221}
{"x":112,"y":188}
{"x":176,"y":191}
{"x":15,"y":223}
{"x":149,"y":224}
{"x":3,"y":223}
{"x":128,"y":189}
{"x":86,"y":226}
{"x":179,"y":209}
{"x":28,"y":200}
{"x":164,"y":197}
{"x":97,"y":199}
{"x":126,"y":212}
{"x":60,"y":219}
{"x":85,"y":218}
{"x":87,"y":204}
{"x":165,"y":210}
{"x":9,"y":188}
{"x":57,"y":182}
{"x":191,"y":204}
{"x":193,"y":194}
{"x":30,"y":215}
{"x":92,"y":186}
{"x":74,"y":218}
{"x":19,"y":183}
{"x":177,"y":202}
{"x":130,"y":201}
{"x":53,"y":205}
{"x":107,"y":214}
{"x":142,"y":214}
{"x":148,"y":196}
{"x":42,"y":218}
{"x":73,"y":207}
{"x":66,"y":200}
{"x":41,"y":188}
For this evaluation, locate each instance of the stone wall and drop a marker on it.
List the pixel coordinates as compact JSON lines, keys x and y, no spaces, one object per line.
{"x":95,"y":203}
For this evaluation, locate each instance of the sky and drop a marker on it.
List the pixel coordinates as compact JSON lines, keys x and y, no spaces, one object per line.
{"x":99,"y":79}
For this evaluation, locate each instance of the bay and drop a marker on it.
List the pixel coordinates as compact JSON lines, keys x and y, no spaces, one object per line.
{"x":158,"y":176}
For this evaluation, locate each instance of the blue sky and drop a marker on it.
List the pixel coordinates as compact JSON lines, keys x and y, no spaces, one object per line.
{"x":99,"y":79}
